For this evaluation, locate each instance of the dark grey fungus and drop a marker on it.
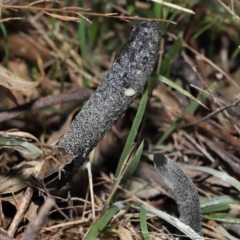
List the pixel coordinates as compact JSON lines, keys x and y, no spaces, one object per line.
{"x":121,"y":86}
{"x":183,"y":190}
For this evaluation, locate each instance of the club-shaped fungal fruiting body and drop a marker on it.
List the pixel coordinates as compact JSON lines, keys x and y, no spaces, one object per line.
{"x":183,"y":189}
{"x":124,"y":82}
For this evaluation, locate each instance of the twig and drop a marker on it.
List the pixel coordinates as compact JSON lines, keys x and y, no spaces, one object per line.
{"x":21,"y":211}
{"x":80,"y":94}
{"x":81,"y":13}
{"x":91,"y":188}
{"x":36,"y":225}
{"x":45,"y":190}
{"x":234,"y":104}
{"x":4,"y":237}
{"x":229,"y":10}
{"x":226,"y":114}
{"x":201,"y":149}
{"x":216,"y":132}
{"x":67,"y":224}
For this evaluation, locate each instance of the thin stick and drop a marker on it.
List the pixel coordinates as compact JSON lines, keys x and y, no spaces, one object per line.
{"x":234,"y":104}
{"x":80,"y":94}
{"x":88,"y":166}
{"x":21,"y":211}
{"x":36,"y":225}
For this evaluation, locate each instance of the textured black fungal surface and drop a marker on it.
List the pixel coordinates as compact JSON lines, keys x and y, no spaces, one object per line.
{"x":130,"y":70}
{"x":183,"y":189}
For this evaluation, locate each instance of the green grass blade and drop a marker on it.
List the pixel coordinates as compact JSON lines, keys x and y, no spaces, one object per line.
{"x":222,"y":217}
{"x":217,"y":204}
{"x":235,"y":53}
{"x":130,"y":6}
{"x":82,"y":35}
{"x":134,"y":129}
{"x":192,"y":107}
{"x":143,"y":224}
{"x":93,"y":30}
{"x":178,"y":88}
{"x":172,"y":220}
{"x":157,"y":9}
{"x":132,"y":165}
{"x":20,"y":144}
{"x":222,"y":175}
{"x":170,"y":55}
{"x":203,"y":29}
{"x":53,"y":28}
{"x":5,"y":35}
{"x":224,"y":233}
{"x":102,"y":222}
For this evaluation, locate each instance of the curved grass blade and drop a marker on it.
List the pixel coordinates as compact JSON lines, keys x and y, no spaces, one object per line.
{"x":192,"y":107}
{"x":172,"y":220}
{"x":143,"y":224}
{"x":203,"y":29}
{"x":170,"y":55}
{"x":178,"y":88}
{"x":5,"y":35}
{"x":217,"y":204}
{"x":132,"y":165}
{"x":102,"y":222}
{"x":235,"y":53}
{"x":134,"y":129}
{"x":19,"y":144}
{"x":224,"y":176}
{"x":222,"y":217}
{"x":224,"y":233}
{"x":117,"y":182}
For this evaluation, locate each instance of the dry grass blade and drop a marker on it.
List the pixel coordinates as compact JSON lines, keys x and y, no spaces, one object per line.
{"x":175,"y":6}
{"x":61,"y":10}
{"x":229,"y":10}
{"x":64,"y":18}
{"x":11,"y":81}
{"x":43,"y":1}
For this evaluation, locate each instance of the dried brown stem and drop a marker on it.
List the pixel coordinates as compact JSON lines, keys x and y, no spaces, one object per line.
{"x":82,"y":13}
{"x":221,"y":109}
{"x":36,"y":225}
{"x":213,"y":131}
{"x":21,"y":211}
{"x":81,"y":94}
